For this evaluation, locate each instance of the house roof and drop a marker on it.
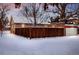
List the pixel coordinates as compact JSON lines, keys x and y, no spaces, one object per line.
{"x":17,"y":16}
{"x":73,"y":18}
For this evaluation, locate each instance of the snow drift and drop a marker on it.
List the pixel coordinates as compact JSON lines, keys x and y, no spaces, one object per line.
{"x":11,"y":44}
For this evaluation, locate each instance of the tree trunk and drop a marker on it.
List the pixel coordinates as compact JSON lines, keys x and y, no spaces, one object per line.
{"x":63,"y":14}
{"x":35,"y":20}
{"x":34,"y":14}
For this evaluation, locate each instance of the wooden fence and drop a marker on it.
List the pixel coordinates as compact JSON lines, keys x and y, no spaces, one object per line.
{"x":39,"y":32}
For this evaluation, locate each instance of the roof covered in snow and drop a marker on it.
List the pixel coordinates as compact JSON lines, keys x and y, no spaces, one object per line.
{"x":18,"y":16}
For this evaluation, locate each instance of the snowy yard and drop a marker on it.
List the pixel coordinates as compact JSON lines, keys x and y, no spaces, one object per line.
{"x":13,"y":44}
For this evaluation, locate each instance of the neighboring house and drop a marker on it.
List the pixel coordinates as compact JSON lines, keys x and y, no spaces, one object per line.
{"x":73,"y":21}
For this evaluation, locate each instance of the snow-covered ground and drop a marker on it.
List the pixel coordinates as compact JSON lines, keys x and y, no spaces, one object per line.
{"x":13,"y":44}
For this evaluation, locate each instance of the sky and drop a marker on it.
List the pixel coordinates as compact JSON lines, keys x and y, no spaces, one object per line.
{"x":72,"y":6}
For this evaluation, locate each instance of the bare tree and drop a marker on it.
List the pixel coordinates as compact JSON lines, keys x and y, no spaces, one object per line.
{"x":77,"y":12}
{"x":3,"y":11}
{"x":33,"y":11}
{"x":62,"y":10}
